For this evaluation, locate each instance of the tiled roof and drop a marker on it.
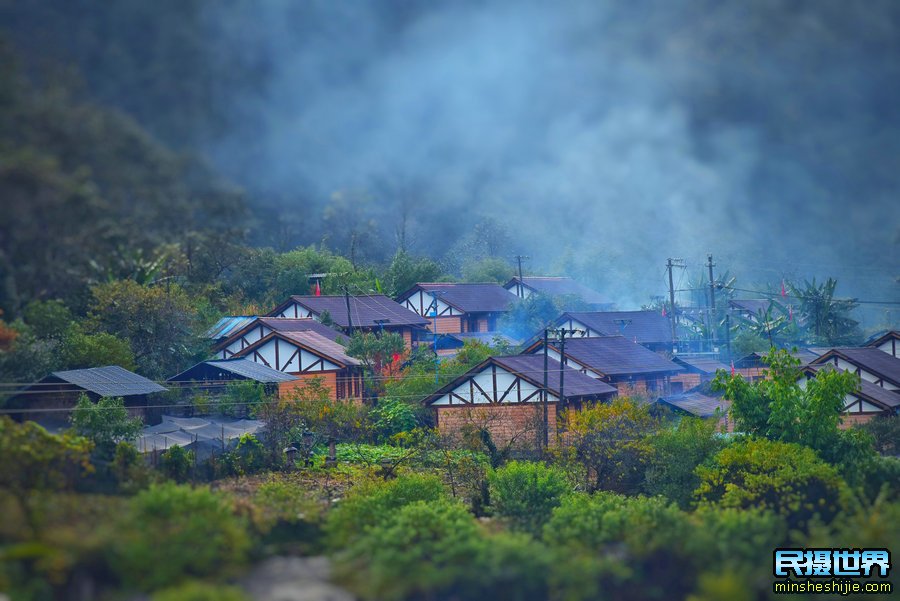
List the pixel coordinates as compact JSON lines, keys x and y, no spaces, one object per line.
{"x":285,"y":324}
{"x":867,"y":390}
{"x":868,"y":358}
{"x":364,"y":310}
{"x":644,"y":326}
{"x":615,"y":355}
{"x":576,"y":383}
{"x":706,"y":365}
{"x":321,"y":345}
{"x":883,"y":336}
{"x":109,"y":381}
{"x":560,"y":286}
{"x":243,"y":368}
{"x":469,"y":298}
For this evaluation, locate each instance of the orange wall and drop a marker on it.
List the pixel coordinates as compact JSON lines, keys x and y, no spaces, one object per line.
{"x":329,"y":380}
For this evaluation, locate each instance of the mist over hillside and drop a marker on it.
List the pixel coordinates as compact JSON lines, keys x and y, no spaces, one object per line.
{"x":599,"y":138}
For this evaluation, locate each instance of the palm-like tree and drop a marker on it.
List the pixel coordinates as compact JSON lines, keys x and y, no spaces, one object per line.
{"x":825,"y":317}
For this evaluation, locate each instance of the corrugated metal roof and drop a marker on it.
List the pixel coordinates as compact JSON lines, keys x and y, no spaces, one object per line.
{"x":469,"y":297}
{"x":560,"y":286}
{"x":228,"y":325}
{"x":241,"y":367}
{"x":109,"y":381}
{"x":647,"y":327}
{"x":614,"y":356}
{"x":697,"y":403}
{"x":364,"y":310}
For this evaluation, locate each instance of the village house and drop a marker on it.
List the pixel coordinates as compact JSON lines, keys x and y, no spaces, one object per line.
{"x":889,"y":342}
{"x":616,"y":360}
{"x":753,"y":365}
{"x":260,"y":327}
{"x":557,"y":287}
{"x":309,"y":355}
{"x":62,"y":389}
{"x":647,"y":328}
{"x":698,"y":369}
{"x":214,"y":375}
{"x":869,"y":363}
{"x":457,"y":308}
{"x":448,"y":345}
{"x":369,"y":313}
{"x":505,"y":396}
{"x":866,"y":402}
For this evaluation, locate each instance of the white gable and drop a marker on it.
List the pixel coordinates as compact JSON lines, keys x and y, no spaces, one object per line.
{"x":420,"y":303}
{"x":255,"y":335}
{"x":284,"y":356}
{"x":479,"y":389}
{"x":295,"y":311}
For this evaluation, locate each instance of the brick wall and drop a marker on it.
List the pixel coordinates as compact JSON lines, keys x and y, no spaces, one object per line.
{"x":328,"y":378}
{"x":848,"y":420}
{"x":506,"y":422}
{"x":446,"y":325}
{"x":688,"y":380}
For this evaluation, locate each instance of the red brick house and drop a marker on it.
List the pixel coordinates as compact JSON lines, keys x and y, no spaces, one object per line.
{"x":505,"y":396}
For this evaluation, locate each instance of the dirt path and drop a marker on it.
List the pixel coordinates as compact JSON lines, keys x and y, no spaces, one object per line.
{"x":293,"y":579}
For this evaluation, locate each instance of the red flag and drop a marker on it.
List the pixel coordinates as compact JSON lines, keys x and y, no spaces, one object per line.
{"x":664,"y":311}
{"x":397,"y":357}
{"x":732,"y":367}
{"x":318,"y":289}
{"x":783,"y":291}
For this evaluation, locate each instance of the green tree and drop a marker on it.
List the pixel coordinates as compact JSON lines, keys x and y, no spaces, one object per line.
{"x":488,"y":269}
{"x":36,"y":462}
{"x":176,"y":463}
{"x":377,"y":353}
{"x":406,"y":269}
{"x":525,"y":493}
{"x":675,"y":455}
{"x":159,"y":321}
{"x":786,"y":478}
{"x":170,"y":532}
{"x":608,"y":442}
{"x":105,"y":422}
{"x":827,"y":319}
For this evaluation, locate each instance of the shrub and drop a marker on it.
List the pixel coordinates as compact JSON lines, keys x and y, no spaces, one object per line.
{"x":525,"y":493}
{"x":129,"y":468}
{"x":424,"y":549}
{"x":288,"y":514}
{"x":675,"y":455}
{"x":176,"y":463}
{"x":782,"y":477}
{"x":392,"y":416}
{"x":371,"y":503}
{"x":200,"y":591}
{"x":248,"y":457}
{"x":172,"y":531}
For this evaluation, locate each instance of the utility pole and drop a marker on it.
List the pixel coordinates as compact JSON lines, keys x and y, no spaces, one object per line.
{"x":544,"y":395}
{"x":519,"y":259}
{"x":561,"y":334}
{"x":669,"y":264}
{"x":712,"y":300}
{"x":349,"y":317}
{"x":728,"y":334}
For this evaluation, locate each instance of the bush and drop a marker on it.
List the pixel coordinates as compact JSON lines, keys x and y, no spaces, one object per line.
{"x":885,"y":431}
{"x":525,"y":493}
{"x":176,"y":463}
{"x":172,"y":531}
{"x":129,"y":468}
{"x":288,"y":514}
{"x":785,"y":478}
{"x":675,"y":455}
{"x":200,"y":591}
{"x":424,"y":549}
{"x":248,"y":457}
{"x":371,"y":503}
{"x":392,"y":416}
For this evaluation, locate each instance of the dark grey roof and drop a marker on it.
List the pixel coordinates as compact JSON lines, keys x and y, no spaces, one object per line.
{"x":614,"y":356}
{"x":532,"y":367}
{"x":109,"y":381}
{"x":644,"y":326}
{"x":867,"y":390}
{"x":364,"y":310}
{"x":313,"y":341}
{"x":245,"y":369}
{"x":469,"y":298}
{"x":485,"y":337}
{"x":560,"y":286}
{"x":869,"y":358}
{"x":755,"y":359}
{"x":704,"y":365}
{"x":697,"y":403}
{"x":882,"y":336}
